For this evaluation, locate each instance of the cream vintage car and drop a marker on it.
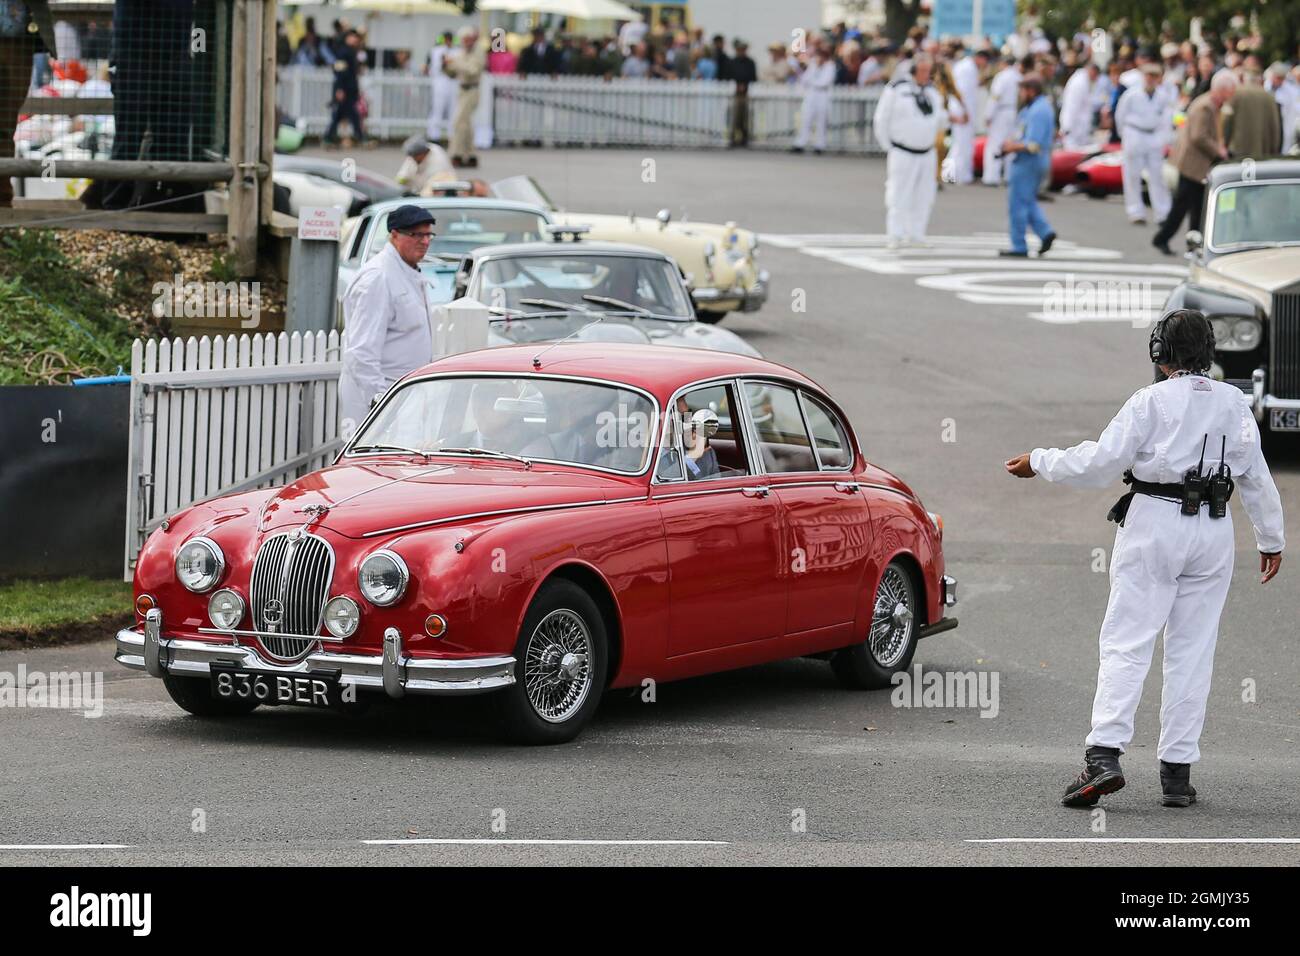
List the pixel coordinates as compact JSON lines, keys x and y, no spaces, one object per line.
{"x":720,"y":260}
{"x":1245,"y":277}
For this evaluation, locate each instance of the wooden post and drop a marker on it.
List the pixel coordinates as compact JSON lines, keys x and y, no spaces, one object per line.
{"x":313,"y":279}
{"x":266,"y":154}
{"x":245,"y":133}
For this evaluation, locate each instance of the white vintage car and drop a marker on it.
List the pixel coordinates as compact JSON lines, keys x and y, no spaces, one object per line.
{"x":718,"y":259}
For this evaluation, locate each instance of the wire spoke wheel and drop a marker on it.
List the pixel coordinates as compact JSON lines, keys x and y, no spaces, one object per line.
{"x":892,"y":618}
{"x":558,"y":665}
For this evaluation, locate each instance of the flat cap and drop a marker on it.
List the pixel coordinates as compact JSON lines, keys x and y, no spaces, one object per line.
{"x":409,"y":216}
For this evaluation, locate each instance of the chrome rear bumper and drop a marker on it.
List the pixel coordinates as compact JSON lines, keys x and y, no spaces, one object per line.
{"x":393,"y":671}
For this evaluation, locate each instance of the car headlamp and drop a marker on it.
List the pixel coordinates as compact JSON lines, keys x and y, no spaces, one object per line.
{"x":342,"y":617}
{"x":199,"y":564}
{"x":383,"y":578}
{"x":1236,"y":333}
{"x":226,"y":609}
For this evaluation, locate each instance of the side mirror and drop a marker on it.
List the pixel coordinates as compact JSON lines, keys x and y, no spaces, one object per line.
{"x":376,"y":399}
{"x":1194,"y":240}
{"x":664,"y":216}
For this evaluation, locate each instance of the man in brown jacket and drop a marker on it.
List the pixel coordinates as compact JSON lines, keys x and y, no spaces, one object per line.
{"x":1199,"y":146}
{"x":1252,"y":125}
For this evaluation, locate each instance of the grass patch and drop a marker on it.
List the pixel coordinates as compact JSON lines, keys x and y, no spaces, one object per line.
{"x":56,"y":323}
{"x":36,"y":608}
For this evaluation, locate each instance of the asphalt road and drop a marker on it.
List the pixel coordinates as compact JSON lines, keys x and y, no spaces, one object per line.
{"x":941,"y":391}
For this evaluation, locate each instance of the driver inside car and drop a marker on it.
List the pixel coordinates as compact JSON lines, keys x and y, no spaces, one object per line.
{"x":493,"y":429}
{"x":697,"y":427}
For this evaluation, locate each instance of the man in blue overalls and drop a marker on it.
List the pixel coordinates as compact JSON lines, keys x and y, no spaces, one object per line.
{"x":1031,"y":153}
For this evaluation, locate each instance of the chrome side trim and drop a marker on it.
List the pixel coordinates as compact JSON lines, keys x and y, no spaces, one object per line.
{"x":701,"y":491}
{"x":474,"y":515}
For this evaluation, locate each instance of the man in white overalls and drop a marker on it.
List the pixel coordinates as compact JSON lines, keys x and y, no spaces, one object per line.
{"x":816,"y":81}
{"x":1183,"y":445}
{"x":444,"y":91}
{"x":1004,"y":101}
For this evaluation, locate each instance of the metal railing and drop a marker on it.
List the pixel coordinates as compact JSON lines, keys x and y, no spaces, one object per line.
{"x":591,"y":111}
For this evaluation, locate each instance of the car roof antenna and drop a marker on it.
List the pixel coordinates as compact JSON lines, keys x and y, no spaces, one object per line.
{"x":537,"y":359}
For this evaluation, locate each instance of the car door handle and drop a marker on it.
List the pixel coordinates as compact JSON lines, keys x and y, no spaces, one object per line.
{"x":849,"y":487}
{"x":760,"y":491}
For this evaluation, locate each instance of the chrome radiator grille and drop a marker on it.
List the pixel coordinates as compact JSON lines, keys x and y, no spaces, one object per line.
{"x":1284,"y":345}
{"x":291,"y":580}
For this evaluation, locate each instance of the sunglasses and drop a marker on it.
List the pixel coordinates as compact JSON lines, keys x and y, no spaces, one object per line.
{"x":417,"y":235}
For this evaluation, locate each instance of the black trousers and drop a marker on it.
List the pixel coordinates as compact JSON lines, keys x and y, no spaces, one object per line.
{"x":1189,"y":196}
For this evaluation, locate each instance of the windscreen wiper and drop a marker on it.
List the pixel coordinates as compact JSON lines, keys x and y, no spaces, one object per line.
{"x":527,"y":462}
{"x":617,"y":303}
{"x":405,"y":448}
{"x":553,"y":304}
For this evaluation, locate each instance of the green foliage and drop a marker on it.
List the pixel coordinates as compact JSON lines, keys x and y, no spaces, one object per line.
{"x":52,"y":315}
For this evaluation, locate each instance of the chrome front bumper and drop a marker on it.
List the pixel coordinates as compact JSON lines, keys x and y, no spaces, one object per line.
{"x":949,"y":586}
{"x":393,"y":671}
{"x":1260,"y":401}
{"x":749,"y":300}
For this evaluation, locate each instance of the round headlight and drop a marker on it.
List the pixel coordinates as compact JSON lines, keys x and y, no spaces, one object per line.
{"x":226,"y":609}
{"x":383,"y":578}
{"x":199,"y":564}
{"x":1222,"y":330}
{"x":1246,"y":334}
{"x":342,"y":617}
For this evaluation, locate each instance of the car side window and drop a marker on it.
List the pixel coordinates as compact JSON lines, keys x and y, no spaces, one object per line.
{"x":782,"y":436}
{"x":830,"y":438}
{"x":359,"y":240}
{"x":702,"y":440}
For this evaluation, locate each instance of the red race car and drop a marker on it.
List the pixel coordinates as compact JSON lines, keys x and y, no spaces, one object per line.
{"x":545,"y":523}
{"x":1065,"y":161}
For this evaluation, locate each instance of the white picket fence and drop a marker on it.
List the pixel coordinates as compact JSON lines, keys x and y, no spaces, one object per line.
{"x":213,"y":416}
{"x":592,"y":111}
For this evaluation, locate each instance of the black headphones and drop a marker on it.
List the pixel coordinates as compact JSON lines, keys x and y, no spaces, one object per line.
{"x":1161,"y":349}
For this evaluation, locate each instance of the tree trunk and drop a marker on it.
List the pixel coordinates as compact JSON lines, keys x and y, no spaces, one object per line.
{"x":900,"y":16}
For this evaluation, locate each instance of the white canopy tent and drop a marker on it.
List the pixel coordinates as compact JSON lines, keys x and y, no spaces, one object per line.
{"x":582,"y":9}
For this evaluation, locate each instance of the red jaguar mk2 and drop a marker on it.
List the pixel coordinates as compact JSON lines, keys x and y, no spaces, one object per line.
{"x":544,"y":523}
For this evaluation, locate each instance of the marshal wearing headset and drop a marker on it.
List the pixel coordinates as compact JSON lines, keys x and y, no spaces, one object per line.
{"x":1184,"y":446}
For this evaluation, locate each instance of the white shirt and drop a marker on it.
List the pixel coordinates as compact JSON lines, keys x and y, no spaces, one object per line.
{"x":818,"y":77}
{"x":1146,"y":113}
{"x":870,"y":71}
{"x":1004,"y":91}
{"x":1076,"y":101}
{"x":388,"y":330}
{"x":437,"y":57}
{"x":898,"y":119}
{"x":1158,"y":435}
{"x":966,"y":77}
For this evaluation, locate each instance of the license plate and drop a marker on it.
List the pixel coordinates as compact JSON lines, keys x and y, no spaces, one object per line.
{"x":1284,"y":419}
{"x":306,"y":690}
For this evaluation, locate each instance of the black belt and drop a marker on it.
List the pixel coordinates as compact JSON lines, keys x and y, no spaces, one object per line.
{"x":909,"y":149}
{"x":1168,"y":490}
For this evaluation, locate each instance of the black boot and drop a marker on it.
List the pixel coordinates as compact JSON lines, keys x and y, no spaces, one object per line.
{"x":1176,"y":784}
{"x":1101,"y":775}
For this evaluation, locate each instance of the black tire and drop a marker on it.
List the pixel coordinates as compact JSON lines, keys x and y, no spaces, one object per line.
{"x":194,"y":694}
{"x":890,"y":642}
{"x":563,"y":619}
{"x":710,"y":318}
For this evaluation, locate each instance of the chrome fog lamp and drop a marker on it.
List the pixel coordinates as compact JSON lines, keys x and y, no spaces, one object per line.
{"x":226,"y":609}
{"x":342,"y":616}
{"x":199,"y":564}
{"x":383,"y":578}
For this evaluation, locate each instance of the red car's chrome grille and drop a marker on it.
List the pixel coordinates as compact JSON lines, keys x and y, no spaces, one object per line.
{"x":290,"y":585}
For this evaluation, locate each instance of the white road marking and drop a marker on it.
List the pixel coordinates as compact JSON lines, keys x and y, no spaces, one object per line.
{"x":65,"y":846}
{"x":1074,"y":283}
{"x":506,"y":842}
{"x":1281,"y":840}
